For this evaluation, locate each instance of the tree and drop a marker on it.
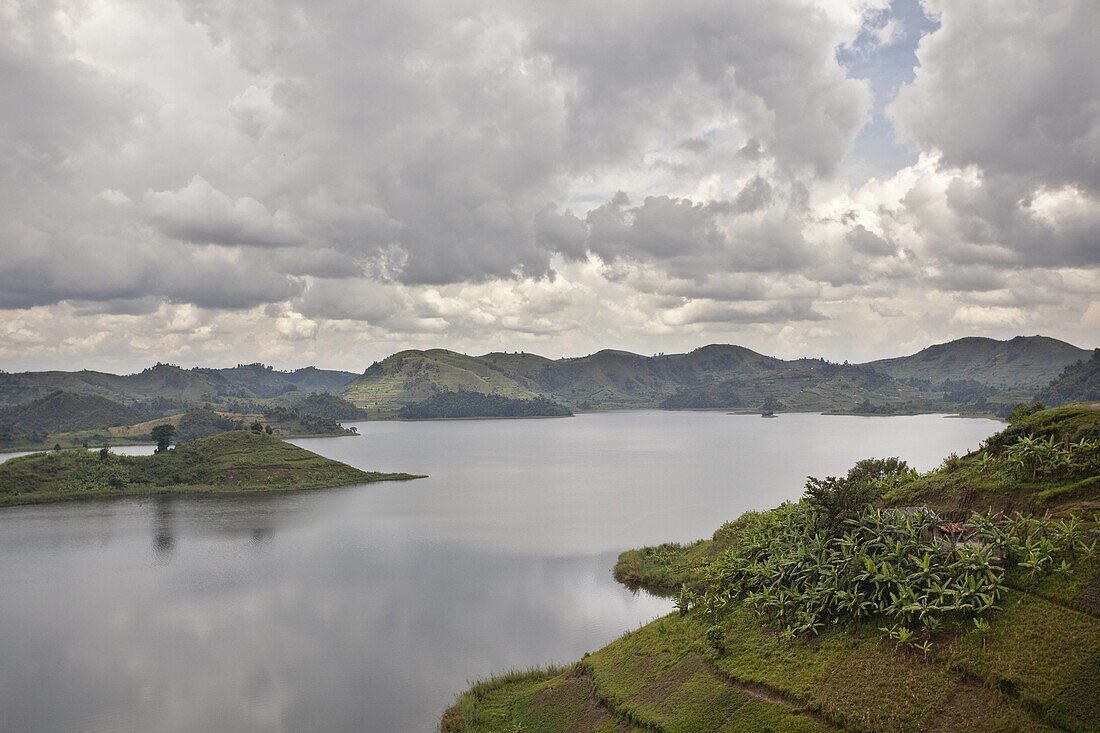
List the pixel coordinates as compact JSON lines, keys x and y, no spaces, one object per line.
{"x":870,"y":469}
{"x":105,"y":454}
{"x":163,"y":434}
{"x":836,"y":499}
{"x":1023,"y":410}
{"x":257,"y":427}
{"x":268,"y":430}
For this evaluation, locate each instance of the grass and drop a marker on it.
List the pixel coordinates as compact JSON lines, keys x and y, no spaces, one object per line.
{"x":412,"y":376}
{"x":1040,"y":650}
{"x":716,"y":376}
{"x":139,"y":433}
{"x":1033,"y":664}
{"x":980,"y":480}
{"x":664,"y":569}
{"x":232,"y":462}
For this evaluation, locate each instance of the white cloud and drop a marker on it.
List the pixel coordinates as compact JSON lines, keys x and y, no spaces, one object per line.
{"x":275,"y":180}
{"x":201,"y":214}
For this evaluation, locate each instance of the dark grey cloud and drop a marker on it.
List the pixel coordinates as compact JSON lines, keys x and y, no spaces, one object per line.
{"x":863,"y":240}
{"x":692,"y":239}
{"x":1011,"y":89}
{"x":403,"y":170}
{"x":201,"y":214}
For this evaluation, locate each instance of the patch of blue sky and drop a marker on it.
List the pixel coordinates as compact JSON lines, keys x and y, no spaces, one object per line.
{"x":884,"y":54}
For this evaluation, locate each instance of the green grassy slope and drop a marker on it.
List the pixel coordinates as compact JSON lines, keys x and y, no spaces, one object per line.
{"x":264,"y":381}
{"x":320,"y":404}
{"x":1079,"y":382}
{"x":803,"y":385}
{"x":232,"y":462}
{"x":1024,"y":361}
{"x":1036,"y":667}
{"x":412,"y":376}
{"x":724,"y":376}
{"x":171,"y":382}
{"x":606,"y":379}
{"x":62,"y":412}
{"x":621,"y":379}
{"x":160,"y":381}
{"x":459,"y":405}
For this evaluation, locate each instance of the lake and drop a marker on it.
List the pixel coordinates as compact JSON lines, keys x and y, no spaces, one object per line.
{"x":368,"y":608}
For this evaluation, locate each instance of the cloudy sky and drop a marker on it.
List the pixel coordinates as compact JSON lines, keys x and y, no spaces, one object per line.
{"x":326,"y":181}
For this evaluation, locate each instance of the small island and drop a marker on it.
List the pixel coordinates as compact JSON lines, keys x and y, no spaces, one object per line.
{"x":233,"y":462}
{"x":463,"y":404}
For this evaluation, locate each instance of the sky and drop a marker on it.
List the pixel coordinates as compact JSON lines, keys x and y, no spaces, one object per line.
{"x":327,"y":182}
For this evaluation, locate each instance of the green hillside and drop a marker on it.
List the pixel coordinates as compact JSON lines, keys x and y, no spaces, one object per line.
{"x":606,"y":379}
{"x":1024,"y":361}
{"x":412,"y":376}
{"x":260,"y":380}
{"x":166,"y":381}
{"x":832,"y":615}
{"x":157,"y":382}
{"x":621,"y":379}
{"x":1079,"y":382}
{"x":321,"y":404}
{"x":801,"y":386}
{"x":229,"y":462}
{"x":973,"y":375}
{"x":461,"y":405}
{"x":60,"y":412}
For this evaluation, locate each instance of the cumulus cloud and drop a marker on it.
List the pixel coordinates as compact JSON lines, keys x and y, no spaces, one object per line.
{"x":1010,"y":88}
{"x":201,"y":214}
{"x":561,"y":175}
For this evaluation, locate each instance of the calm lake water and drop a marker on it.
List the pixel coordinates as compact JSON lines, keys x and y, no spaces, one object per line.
{"x":368,"y":608}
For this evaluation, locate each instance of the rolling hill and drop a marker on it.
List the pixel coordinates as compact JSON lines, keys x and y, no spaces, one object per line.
{"x":976,"y":374}
{"x":260,"y":380}
{"x":465,"y":405}
{"x":168,"y":382}
{"x":162,"y":381}
{"x":1024,"y":361}
{"x":61,"y":412}
{"x":413,"y":376}
{"x":712,"y":377}
{"x":1077,"y":383}
{"x":800,"y":386}
{"x":606,"y":379}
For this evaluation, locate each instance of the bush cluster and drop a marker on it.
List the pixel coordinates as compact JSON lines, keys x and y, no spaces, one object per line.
{"x":833,"y":558}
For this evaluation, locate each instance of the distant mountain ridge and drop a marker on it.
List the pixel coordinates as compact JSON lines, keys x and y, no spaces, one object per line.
{"x":606,"y":379}
{"x":727,"y":376}
{"x":169,"y":382}
{"x":1023,"y":361}
{"x":973,"y":373}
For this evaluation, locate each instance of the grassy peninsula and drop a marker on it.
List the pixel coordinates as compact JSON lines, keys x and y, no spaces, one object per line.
{"x":963,"y":599}
{"x":231,"y":462}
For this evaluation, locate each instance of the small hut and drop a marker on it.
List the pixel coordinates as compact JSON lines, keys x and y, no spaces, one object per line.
{"x":950,"y":537}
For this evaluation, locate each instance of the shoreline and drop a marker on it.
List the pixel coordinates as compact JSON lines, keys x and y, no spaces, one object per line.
{"x":192,"y":491}
{"x":124,"y":442}
{"x":477,"y":417}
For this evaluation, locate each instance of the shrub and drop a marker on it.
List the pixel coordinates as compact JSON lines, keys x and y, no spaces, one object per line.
{"x":835,"y":499}
{"x":881,"y":564}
